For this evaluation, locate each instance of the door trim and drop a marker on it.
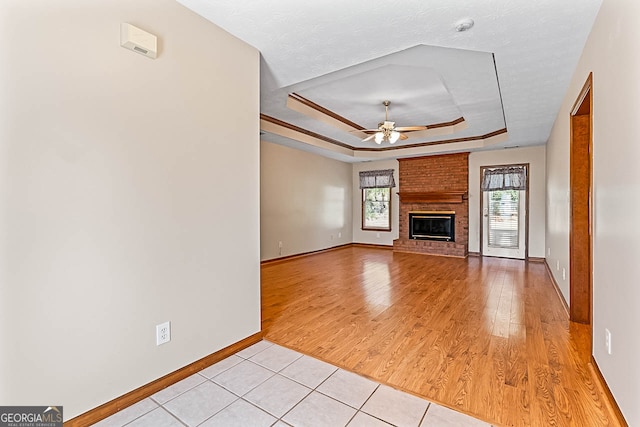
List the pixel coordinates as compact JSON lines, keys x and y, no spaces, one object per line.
{"x":581,"y":290}
{"x":526,"y":204}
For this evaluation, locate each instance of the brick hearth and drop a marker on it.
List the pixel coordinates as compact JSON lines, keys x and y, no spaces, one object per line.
{"x":426,"y":184}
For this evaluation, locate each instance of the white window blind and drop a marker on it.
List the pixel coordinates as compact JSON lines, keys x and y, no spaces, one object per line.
{"x":503,"y":219}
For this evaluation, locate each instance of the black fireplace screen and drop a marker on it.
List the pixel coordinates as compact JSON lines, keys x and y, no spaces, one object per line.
{"x":432,"y":226}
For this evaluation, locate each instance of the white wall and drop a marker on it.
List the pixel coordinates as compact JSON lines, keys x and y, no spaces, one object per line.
{"x":611,"y":52}
{"x":535,"y":156}
{"x":305,"y":201}
{"x":368,"y":236}
{"x":123,"y":201}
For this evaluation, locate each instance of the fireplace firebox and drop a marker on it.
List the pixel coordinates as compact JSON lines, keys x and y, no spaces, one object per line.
{"x":432,"y":226}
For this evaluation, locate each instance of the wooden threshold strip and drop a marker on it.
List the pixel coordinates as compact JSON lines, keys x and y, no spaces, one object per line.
{"x":119,"y":403}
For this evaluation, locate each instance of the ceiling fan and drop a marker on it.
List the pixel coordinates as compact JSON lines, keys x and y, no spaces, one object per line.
{"x":387,"y":131}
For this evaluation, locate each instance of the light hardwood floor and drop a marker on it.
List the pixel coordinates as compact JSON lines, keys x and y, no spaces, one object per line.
{"x":486,"y":336}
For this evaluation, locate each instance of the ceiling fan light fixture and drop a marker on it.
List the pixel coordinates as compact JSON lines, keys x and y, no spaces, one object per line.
{"x":387,"y":131}
{"x":394,"y":136}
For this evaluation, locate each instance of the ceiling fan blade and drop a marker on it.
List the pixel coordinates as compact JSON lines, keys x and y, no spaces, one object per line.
{"x":370,"y":137}
{"x":411,"y":128}
{"x":403,"y":136}
{"x":366,"y":130}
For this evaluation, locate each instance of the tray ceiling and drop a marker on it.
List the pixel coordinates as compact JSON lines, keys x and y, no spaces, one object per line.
{"x":328,"y":66}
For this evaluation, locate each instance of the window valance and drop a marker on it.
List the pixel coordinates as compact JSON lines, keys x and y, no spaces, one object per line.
{"x":506,"y":178}
{"x":377,"y":179}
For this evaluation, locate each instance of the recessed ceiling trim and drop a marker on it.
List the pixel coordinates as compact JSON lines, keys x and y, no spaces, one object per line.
{"x":447,"y":124}
{"x":277,"y":126}
{"x":288,"y":130}
{"x":316,"y":111}
{"x":427,"y":144}
{"x":309,"y":108}
{"x":452,"y":147}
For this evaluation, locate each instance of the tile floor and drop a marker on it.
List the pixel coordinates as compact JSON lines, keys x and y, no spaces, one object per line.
{"x":269,"y":385}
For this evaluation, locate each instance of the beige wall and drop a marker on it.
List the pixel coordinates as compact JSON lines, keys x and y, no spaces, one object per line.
{"x":305,"y":201}
{"x":117,"y":210}
{"x":611,"y":53}
{"x":375,"y":237}
{"x":535,"y":156}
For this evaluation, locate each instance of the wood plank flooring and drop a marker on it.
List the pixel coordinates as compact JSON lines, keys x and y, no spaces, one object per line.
{"x":485,"y":336}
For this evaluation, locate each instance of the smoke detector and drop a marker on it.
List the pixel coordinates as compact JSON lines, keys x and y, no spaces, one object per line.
{"x":464,"y":25}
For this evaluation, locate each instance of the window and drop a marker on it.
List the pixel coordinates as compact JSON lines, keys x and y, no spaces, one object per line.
{"x":376,"y":199}
{"x":376,"y":209}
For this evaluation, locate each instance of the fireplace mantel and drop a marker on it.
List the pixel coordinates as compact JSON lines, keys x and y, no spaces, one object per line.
{"x":432,"y":197}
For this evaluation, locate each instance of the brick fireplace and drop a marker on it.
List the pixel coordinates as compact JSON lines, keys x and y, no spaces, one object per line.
{"x":435,"y":184}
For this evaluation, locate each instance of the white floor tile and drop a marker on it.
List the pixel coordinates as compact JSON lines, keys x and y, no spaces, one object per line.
{"x":365,"y":420}
{"x":277,"y":395}
{"x":221,"y":366}
{"x":178,"y":388}
{"x":200,"y":403}
{"x":276,"y":358}
{"x":439,"y":416}
{"x":197,"y":401}
{"x":395,"y":407}
{"x":254,"y":349}
{"x":318,"y":410}
{"x":243,"y":377}
{"x":128,"y":414}
{"x":240,"y":414}
{"x":309,"y":371}
{"x":156,"y":418}
{"x":348,"y":388}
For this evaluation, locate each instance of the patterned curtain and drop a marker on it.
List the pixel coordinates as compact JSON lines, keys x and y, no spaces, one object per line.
{"x":507,"y":178}
{"x":377,"y":179}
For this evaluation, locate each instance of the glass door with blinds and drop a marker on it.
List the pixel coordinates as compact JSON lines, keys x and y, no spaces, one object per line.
{"x":504,"y":222}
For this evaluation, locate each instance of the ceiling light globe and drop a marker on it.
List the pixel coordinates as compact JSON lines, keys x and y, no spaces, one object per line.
{"x":394,"y":136}
{"x":379,"y":137}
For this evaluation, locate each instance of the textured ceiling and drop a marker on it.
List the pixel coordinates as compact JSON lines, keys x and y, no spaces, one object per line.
{"x":510,"y":71}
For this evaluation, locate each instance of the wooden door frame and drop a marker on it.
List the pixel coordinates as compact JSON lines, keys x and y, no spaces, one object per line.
{"x":580,"y":290}
{"x":526,"y":206}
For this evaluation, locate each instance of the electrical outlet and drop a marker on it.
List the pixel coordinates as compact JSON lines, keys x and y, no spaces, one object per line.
{"x":564,"y":274}
{"x":548,"y":252}
{"x":378,"y":235}
{"x":280,"y":245}
{"x":339,"y":235}
{"x":163,"y":333}
{"x":607,"y":340}
{"x":558,"y":264}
